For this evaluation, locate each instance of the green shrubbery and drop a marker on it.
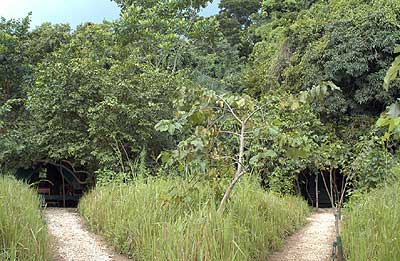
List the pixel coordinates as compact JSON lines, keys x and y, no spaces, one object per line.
{"x":372,"y":224}
{"x":167,"y":219}
{"x":23,"y":235}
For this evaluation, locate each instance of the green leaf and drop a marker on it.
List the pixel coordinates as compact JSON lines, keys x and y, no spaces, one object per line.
{"x":394,"y":110}
{"x":393,"y":124}
{"x":273,"y":131}
{"x":277,"y":123}
{"x":386,"y":136}
{"x":163,"y":125}
{"x":383,"y":121}
{"x":296,"y":153}
{"x":171,"y":129}
{"x":241,"y":102}
{"x":165,"y":156}
{"x":303,"y":97}
{"x":197,"y":117}
{"x":270,"y":154}
{"x":254,"y":160}
{"x":392,"y":73}
{"x":198,"y":143}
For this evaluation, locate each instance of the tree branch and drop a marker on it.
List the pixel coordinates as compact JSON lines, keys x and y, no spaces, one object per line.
{"x":251,"y":114}
{"x":230,"y":109}
{"x":230,"y":132}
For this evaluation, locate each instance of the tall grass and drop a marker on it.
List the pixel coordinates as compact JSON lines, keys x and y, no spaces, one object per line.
{"x":23,"y":235}
{"x":371,"y":229}
{"x":167,"y":219}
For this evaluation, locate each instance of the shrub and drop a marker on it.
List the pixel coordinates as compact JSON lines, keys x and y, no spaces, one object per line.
{"x":371,"y":226}
{"x":23,"y":234}
{"x":167,"y":219}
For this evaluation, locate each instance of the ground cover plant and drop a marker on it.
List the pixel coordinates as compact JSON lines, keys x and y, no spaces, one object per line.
{"x":172,"y":219}
{"x":23,"y":234}
{"x":372,"y":224}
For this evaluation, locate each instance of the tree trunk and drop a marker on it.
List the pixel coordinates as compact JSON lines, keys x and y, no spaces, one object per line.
{"x":239,"y":171}
{"x":228,"y":193}
{"x":316,"y":192}
{"x":63,"y":187}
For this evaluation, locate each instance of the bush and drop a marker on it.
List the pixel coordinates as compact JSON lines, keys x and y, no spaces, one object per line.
{"x":167,"y":219}
{"x":23,"y":235}
{"x":372,"y":165}
{"x":371,"y":226}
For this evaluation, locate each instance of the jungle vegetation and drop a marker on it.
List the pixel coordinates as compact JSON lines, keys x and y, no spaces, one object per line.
{"x":265,"y":88}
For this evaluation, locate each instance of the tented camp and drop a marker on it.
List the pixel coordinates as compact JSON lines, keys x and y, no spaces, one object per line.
{"x":59,"y":183}
{"x":317,"y":188}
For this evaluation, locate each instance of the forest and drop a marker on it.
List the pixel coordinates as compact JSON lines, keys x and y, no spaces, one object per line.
{"x":221,"y":123}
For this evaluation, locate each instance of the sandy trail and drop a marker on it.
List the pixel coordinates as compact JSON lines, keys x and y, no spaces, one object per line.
{"x":311,"y":243}
{"x":72,"y":241}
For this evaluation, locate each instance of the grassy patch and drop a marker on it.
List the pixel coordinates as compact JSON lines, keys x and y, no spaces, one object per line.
{"x":23,"y":235}
{"x":171,"y":220}
{"x":371,"y":229}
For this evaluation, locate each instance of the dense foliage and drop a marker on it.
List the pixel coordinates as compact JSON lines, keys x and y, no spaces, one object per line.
{"x":310,"y":74}
{"x":93,"y":95}
{"x":348,"y":42}
{"x":23,"y":234}
{"x":176,"y":220}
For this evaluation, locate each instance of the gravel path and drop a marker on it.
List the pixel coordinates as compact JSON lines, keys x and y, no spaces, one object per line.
{"x":72,"y":241}
{"x":311,"y":243}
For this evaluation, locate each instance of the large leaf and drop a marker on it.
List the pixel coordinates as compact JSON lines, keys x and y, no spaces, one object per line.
{"x":392,"y":73}
{"x":163,"y":125}
{"x":394,"y":110}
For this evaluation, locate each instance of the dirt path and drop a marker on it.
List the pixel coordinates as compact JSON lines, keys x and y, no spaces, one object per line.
{"x":73,"y":242}
{"x":311,"y":243}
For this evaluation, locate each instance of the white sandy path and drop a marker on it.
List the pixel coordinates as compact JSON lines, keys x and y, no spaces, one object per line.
{"x":311,"y":243}
{"x":73,"y":242}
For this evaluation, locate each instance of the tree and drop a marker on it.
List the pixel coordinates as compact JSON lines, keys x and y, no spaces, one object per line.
{"x":46,"y":39}
{"x":15,"y":69}
{"x":240,"y":170}
{"x":347,"y":42}
{"x":14,"y":61}
{"x":235,"y":18}
{"x":124,"y":4}
{"x":94,"y":106}
{"x":223,"y":136}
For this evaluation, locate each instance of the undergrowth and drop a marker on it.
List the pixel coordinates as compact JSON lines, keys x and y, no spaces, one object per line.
{"x":23,"y":235}
{"x":168,"y":219}
{"x":371,"y":229}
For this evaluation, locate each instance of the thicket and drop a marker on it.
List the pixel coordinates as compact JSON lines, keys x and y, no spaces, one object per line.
{"x":174,"y":219}
{"x":23,"y":233}
{"x":93,"y":95}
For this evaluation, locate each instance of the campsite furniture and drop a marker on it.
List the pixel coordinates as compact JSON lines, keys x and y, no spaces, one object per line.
{"x":44,"y":191}
{"x":62,"y":186}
